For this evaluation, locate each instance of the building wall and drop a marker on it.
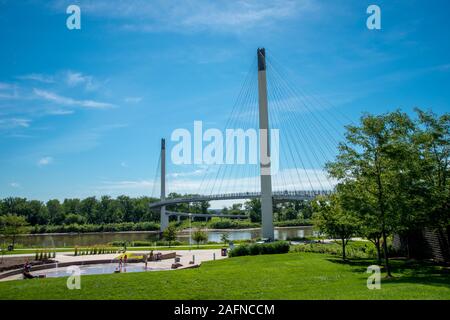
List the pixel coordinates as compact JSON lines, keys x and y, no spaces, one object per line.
{"x":428,"y":243}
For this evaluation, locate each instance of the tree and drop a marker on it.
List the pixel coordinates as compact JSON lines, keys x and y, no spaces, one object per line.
{"x":55,"y":212}
{"x":432,"y":140}
{"x":74,"y":219}
{"x":236,"y":209}
{"x":225,"y":238}
{"x":199,"y":236}
{"x":354,"y":197}
{"x":253,"y":209}
{"x":170,"y":234}
{"x":330,"y":218}
{"x":367,"y":157}
{"x":225,"y":211}
{"x":11,"y":226}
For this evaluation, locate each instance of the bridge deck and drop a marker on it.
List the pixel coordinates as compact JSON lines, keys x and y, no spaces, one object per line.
{"x":206,"y":215}
{"x":278,"y":195}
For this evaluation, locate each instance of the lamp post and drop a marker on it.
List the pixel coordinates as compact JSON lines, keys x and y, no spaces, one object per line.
{"x":190,"y":231}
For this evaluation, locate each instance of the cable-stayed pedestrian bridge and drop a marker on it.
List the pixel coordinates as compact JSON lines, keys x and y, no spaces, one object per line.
{"x":305,"y":143}
{"x":277,"y":195}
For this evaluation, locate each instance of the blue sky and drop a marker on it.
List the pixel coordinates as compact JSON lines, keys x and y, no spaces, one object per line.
{"x":82,"y":111}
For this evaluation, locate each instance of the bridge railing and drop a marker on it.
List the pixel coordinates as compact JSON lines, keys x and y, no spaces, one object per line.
{"x":242,"y":195}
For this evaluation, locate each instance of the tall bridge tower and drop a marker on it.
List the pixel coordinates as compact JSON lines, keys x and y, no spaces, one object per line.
{"x":264,"y":149}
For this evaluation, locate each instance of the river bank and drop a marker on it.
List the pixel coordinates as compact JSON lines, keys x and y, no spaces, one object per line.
{"x":59,"y":240}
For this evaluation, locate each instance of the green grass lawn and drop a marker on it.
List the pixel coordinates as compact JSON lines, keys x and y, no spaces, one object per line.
{"x":286,"y":276}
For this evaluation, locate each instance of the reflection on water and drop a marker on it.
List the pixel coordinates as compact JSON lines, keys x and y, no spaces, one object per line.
{"x":71,"y":240}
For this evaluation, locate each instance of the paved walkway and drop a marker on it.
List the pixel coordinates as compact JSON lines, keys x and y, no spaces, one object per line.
{"x":185,"y":257}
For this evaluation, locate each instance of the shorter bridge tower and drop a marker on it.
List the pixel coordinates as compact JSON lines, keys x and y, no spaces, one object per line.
{"x":164,"y":218}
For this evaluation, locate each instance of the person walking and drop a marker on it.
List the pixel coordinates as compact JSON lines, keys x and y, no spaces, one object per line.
{"x":120,"y":264}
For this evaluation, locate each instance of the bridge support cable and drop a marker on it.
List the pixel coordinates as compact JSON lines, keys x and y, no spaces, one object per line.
{"x":324,"y":105}
{"x":305,"y":130}
{"x":156,"y":181}
{"x":323,"y":140}
{"x":209,"y":179}
{"x":222,"y":174}
{"x":286,"y":137}
{"x":285,"y":90}
{"x":315,"y":130}
{"x":243,"y":177}
{"x":300,"y":131}
{"x":230,"y":171}
{"x":283,"y":159}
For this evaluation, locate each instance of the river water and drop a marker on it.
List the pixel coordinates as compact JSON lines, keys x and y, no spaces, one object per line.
{"x":91,"y":239}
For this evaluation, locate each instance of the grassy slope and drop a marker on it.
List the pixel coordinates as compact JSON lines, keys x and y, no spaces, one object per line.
{"x":288,"y":276}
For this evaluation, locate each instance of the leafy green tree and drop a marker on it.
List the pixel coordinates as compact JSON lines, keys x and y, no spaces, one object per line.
{"x":72,"y":206}
{"x":74,"y":219}
{"x":225,"y":210}
{"x":353,"y":196}
{"x":55,"y":212}
{"x":366,"y":156}
{"x":330,"y":218}
{"x":236,"y":209}
{"x":432,"y":139}
{"x":225,"y":238}
{"x":11,"y":226}
{"x":127,"y":206}
{"x":170,"y":234}
{"x":253,"y":209}
{"x":199,"y":236}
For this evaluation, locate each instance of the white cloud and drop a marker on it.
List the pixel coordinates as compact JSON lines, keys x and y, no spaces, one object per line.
{"x":197,"y":173}
{"x":45,"y":161}
{"x":14,"y":123}
{"x":74,"y":79}
{"x":8,"y":91}
{"x":14,"y":185}
{"x":37,"y":77}
{"x":60,"y":112}
{"x":133,"y":99}
{"x":4,"y":86}
{"x":194,"y":15}
{"x":53,"y":97}
{"x":81,"y":140}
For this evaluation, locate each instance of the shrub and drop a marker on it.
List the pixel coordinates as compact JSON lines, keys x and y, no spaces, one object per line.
{"x":242,"y":250}
{"x":231,"y":224}
{"x":275,"y":247}
{"x":260,"y":248}
{"x":140,"y":243}
{"x":293,"y":223}
{"x":354,"y":249}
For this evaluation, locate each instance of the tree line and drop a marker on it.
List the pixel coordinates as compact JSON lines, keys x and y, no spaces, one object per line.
{"x":81,"y":211}
{"x":393,"y":178}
